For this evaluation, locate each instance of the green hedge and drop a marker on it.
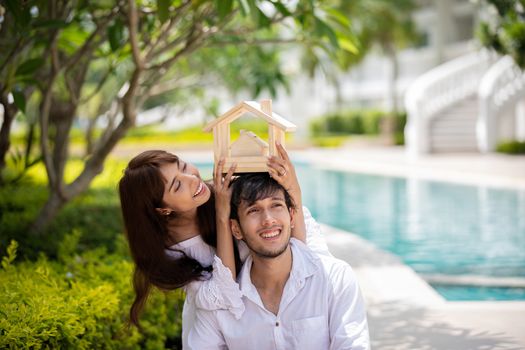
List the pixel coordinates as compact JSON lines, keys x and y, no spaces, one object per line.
{"x":81,"y":302}
{"x":96,"y":213}
{"x":347,"y":122}
{"x":354,"y":122}
{"x":511,"y":147}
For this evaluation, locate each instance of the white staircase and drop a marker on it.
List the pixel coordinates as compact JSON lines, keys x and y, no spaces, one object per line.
{"x":468,"y":104}
{"x":435,"y":95}
{"x":454,"y":129}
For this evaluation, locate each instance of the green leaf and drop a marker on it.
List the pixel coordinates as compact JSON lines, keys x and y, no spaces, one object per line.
{"x":224,"y":7}
{"x":245,"y":8}
{"x":72,"y":37}
{"x":116,"y":35}
{"x":20,"y":12}
{"x":20,"y":100}
{"x":163,"y":10}
{"x":324,"y":30}
{"x":258,"y":16}
{"x":339,"y":17}
{"x":11,"y":255}
{"x":281,"y":8}
{"x":29,"y":66}
{"x":348,"y":45}
{"x":49,"y":24}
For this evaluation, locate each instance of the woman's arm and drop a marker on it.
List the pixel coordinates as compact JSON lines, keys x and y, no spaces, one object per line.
{"x":283,"y":171}
{"x":222,"y":213}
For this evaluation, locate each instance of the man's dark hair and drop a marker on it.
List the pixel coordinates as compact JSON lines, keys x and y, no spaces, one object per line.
{"x":251,"y":187}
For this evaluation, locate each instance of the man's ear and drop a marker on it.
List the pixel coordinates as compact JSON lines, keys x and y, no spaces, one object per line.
{"x":163,"y":211}
{"x":235,"y":228}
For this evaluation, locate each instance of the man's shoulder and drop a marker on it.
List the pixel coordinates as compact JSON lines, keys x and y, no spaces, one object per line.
{"x":332,"y":267}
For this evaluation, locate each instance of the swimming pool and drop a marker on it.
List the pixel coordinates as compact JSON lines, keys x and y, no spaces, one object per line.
{"x":436,"y":228}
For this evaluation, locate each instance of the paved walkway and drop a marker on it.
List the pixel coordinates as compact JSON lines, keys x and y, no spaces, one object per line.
{"x":496,"y":170}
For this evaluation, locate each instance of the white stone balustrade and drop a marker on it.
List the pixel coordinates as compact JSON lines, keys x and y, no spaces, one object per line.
{"x":438,"y":89}
{"x":501,"y":89}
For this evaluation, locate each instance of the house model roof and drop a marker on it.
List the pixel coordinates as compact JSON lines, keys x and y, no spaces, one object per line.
{"x":252,"y":107}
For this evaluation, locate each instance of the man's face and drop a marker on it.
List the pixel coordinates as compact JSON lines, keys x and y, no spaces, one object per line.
{"x":265,"y":225}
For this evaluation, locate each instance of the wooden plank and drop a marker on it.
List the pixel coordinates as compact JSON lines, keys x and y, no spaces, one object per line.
{"x":227,"y":117}
{"x":223,"y":136}
{"x":251,"y":159}
{"x":266,"y":106}
{"x":272,"y":118}
{"x":247,"y":169}
{"x":254,"y":108}
{"x":248,"y":144}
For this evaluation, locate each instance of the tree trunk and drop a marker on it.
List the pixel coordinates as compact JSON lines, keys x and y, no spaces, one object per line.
{"x":47,"y":213}
{"x":392,"y":79}
{"x":388,"y":124}
{"x":5,"y":131}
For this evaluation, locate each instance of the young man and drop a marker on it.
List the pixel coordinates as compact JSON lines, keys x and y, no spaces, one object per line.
{"x":294,"y":298}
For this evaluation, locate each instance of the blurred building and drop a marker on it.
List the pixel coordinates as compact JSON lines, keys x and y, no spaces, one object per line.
{"x":447,"y":28}
{"x":458,"y":96}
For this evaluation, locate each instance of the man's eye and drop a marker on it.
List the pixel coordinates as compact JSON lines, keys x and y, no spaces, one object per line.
{"x":178,"y":186}
{"x":277,"y":205}
{"x":252,"y":210}
{"x":184,"y":167}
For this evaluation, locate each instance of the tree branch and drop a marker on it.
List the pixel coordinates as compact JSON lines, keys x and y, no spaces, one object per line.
{"x":45,"y":108}
{"x":180,"y":12}
{"x":133,"y":35}
{"x":99,"y":86}
{"x":221,"y":43}
{"x":90,"y":42}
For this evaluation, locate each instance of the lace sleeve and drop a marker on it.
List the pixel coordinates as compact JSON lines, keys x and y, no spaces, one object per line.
{"x":219,"y":292}
{"x":314,"y":237}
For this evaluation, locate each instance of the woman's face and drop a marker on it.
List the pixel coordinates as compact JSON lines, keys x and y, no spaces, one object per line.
{"x":184,"y":190}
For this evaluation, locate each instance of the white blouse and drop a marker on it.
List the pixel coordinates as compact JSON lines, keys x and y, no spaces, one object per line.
{"x":220,"y":291}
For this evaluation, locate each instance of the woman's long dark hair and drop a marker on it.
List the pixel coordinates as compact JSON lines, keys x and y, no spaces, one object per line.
{"x":141,"y":191}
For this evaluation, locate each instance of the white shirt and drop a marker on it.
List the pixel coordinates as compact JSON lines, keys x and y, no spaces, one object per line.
{"x":220,"y":291}
{"x":321,"y":308}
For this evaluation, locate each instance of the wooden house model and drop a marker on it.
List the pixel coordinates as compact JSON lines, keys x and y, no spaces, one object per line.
{"x":249,"y":151}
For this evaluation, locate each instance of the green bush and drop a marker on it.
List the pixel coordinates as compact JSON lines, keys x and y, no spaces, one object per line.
{"x":511,"y":147}
{"x":96,"y":213}
{"x":348,"y":122}
{"x":399,"y":130}
{"x":80,"y":302}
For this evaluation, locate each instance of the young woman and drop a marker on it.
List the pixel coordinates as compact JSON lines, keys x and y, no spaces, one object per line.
{"x":178,"y":231}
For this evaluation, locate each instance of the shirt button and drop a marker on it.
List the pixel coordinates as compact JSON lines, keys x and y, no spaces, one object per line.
{"x":277,"y":324}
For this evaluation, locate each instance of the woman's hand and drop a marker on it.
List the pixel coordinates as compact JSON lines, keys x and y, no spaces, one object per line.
{"x":223,"y":191}
{"x":283,"y":171}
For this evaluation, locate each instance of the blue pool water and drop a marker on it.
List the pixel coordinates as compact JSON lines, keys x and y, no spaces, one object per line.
{"x":435,"y":227}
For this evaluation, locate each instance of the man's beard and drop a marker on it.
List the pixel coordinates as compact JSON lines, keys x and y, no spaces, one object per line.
{"x":262,"y":252}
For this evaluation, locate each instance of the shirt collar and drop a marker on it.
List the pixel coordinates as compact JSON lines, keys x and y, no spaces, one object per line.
{"x":304,"y":265}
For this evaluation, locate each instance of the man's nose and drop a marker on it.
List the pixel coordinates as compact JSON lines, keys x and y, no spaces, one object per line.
{"x":268,"y":218}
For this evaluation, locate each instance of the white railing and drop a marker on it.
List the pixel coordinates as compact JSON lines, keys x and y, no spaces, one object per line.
{"x":502,"y":87}
{"x":438,"y":89}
